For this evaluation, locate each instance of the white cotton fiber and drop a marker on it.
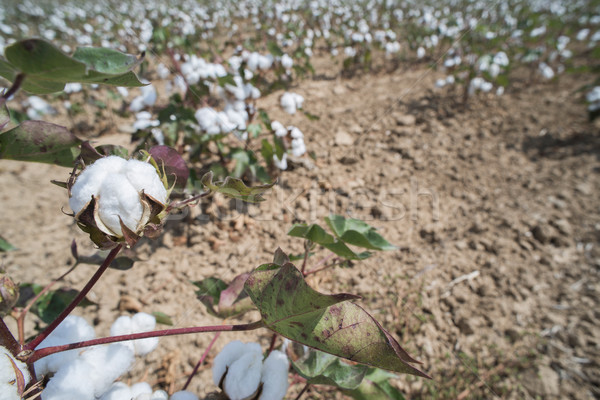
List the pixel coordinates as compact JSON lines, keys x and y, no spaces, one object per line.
{"x":274,"y":376}
{"x":72,"y":330}
{"x":118,"y":391}
{"x":229,"y":354}
{"x":184,"y":395}
{"x":243,"y":376}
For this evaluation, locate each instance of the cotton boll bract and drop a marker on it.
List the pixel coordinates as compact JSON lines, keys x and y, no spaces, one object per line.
{"x":8,"y":375}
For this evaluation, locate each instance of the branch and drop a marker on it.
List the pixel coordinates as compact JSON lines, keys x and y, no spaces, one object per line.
{"x":46,"y":351}
{"x":109,"y":259}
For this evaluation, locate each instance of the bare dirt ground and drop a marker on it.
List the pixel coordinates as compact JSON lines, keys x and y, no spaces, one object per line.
{"x":495,"y":210}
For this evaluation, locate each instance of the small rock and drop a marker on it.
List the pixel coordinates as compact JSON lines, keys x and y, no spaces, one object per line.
{"x":542,"y":383}
{"x":129,"y":303}
{"x":343,"y":138}
{"x":465,"y":327}
{"x":541,"y":234}
{"x":406,"y":120}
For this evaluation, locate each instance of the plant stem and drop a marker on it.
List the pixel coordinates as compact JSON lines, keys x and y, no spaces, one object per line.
{"x":307,"y":244}
{"x":109,"y":259}
{"x":21,"y":318}
{"x":210,"y":345}
{"x":304,"y":389}
{"x":187,"y":201}
{"x":7,"y":339}
{"x":13,"y":89}
{"x":46,"y":351}
{"x":273,"y":341}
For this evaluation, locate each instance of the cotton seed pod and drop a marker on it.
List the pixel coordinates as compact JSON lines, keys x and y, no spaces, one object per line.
{"x":116,"y":200}
{"x":9,"y":294}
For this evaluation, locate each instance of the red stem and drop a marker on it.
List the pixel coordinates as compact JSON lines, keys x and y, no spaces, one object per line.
{"x":7,"y":339}
{"x":46,"y":351}
{"x":210,"y":345}
{"x":109,"y":259}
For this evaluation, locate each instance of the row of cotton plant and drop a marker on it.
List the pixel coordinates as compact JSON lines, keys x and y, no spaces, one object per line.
{"x":528,"y":31}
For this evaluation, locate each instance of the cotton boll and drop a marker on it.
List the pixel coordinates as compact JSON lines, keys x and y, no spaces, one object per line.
{"x":295,"y":133}
{"x":71,"y":381}
{"x":420,"y":52}
{"x":243,"y":376}
{"x":118,"y":391}
{"x":141,"y":388}
{"x":183,"y":395}
{"x":274,"y":376}
{"x":298,"y":147}
{"x":224,"y":359}
{"x":119,"y":202}
{"x":143,"y":176}
{"x":121,"y":326}
{"x":123,"y":91}
{"x":281,"y":164}
{"x":74,"y":87}
{"x":279,"y":129}
{"x":160,"y":395}
{"x":286,"y":61}
{"x":440,"y":83}
{"x":104,"y":364}
{"x":73,"y":329}
{"x":546,"y":71}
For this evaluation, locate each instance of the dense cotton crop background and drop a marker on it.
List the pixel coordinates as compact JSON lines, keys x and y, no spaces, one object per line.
{"x":462,"y":130}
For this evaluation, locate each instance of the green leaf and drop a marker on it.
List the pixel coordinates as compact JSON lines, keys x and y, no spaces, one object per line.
{"x":358,"y":233}
{"x":40,"y":141}
{"x":254,"y":130}
{"x":235,"y":188}
{"x":50,"y":305}
{"x":5,"y":245}
{"x":330,"y":323}
{"x":320,"y":368}
{"x":316,"y":234}
{"x":106,"y":61}
{"x":47,"y":69}
{"x":226,"y":80}
{"x":279,"y":146}
{"x":223,"y":300}
{"x":376,"y":386}
{"x":162,"y":318}
{"x":264,"y":117}
{"x":310,"y":116}
{"x":267,"y":151}
{"x":274,"y":49}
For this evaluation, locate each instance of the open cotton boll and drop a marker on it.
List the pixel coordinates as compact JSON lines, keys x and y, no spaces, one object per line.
{"x":71,"y":381}
{"x":274,"y":376}
{"x":118,"y":391}
{"x":279,"y":129}
{"x":223,"y":360}
{"x":117,"y":185}
{"x":119,"y":201}
{"x":183,"y":395}
{"x":141,"y":388}
{"x":73,"y":329}
{"x":104,"y":364}
{"x":243,"y":376}
{"x":8,"y":388}
{"x":140,"y":322}
{"x":281,"y":164}
{"x":159,"y":395}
